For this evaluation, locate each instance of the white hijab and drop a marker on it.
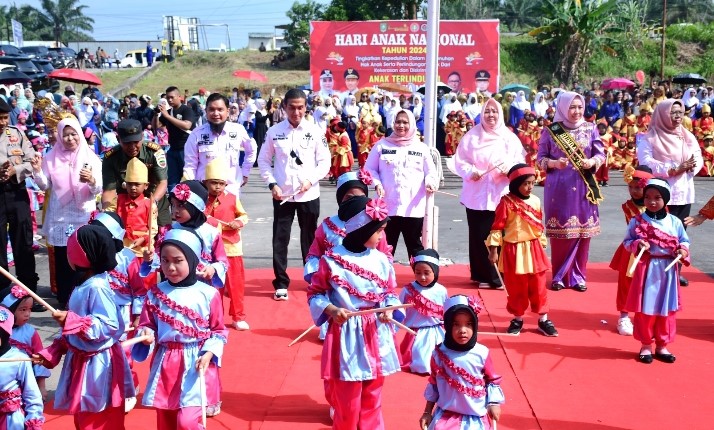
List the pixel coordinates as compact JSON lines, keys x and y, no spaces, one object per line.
{"x":540,"y":106}
{"x":521,"y":102}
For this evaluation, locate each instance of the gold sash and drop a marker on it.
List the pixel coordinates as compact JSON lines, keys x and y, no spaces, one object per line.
{"x":570,"y":147}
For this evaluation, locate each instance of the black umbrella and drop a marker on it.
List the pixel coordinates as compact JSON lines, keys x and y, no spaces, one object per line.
{"x":9,"y":77}
{"x":689,"y":78}
{"x":439,"y":86}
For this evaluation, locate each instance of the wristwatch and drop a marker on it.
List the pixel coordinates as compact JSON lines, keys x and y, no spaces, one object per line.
{"x":271,"y":185}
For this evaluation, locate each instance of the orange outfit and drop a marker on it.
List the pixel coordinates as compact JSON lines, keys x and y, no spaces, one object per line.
{"x":135,"y":214}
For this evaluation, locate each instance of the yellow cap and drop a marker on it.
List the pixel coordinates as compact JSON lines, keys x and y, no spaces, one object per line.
{"x":217,"y":169}
{"x":136,"y":171}
{"x":706,"y":108}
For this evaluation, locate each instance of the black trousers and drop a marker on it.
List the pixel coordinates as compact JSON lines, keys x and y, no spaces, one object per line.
{"x":15,"y":212}
{"x":283,"y":215}
{"x":680,"y":211}
{"x":410,"y":228}
{"x":480,"y":223}
{"x":67,"y":279}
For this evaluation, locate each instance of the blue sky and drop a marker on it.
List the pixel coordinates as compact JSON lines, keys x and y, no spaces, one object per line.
{"x":142,"y":19}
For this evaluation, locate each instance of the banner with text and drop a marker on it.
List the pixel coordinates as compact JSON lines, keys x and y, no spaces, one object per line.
{"x":345,"y":55}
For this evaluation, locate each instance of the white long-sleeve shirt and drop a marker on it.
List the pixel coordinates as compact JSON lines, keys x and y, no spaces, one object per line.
{"x":203,"y":146}
{"x":682,"y":186}
{"x":307,"y":142}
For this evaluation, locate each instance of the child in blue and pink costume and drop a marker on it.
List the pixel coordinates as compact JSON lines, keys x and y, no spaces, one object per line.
{"x":24,"y":336}
{"x":359,"y":351}
{"x":185,"y":316}
{"x":463,"y":384}
{"x":427,"y":315}
{"x":95,"y":378}
{"x":20,"y":398}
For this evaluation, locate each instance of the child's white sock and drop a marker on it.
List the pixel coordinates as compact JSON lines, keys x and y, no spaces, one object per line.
{"x":543,"y":317}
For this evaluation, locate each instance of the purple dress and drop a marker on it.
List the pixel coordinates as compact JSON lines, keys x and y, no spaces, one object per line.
{"x":570,"y":218}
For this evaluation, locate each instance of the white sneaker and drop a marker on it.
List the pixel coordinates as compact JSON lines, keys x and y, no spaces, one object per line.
{"x":129,"y":404}
{"x":332,"y":413}
{"x":213,"y":410}
{"x":624,"y":326}
{"x":281,"y":294}
{"x":240,"y":325}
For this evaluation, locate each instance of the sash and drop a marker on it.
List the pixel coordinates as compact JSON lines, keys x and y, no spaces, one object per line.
{"x":570,"y":147}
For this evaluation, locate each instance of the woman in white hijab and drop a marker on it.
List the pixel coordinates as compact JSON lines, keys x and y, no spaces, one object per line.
{"x":540,"y":106}
{"x":691,"y":102}
{"x":350,"y":116}
{"x":418,"y":110}
{"x":85,"y":112}
{"x":472,"y":108}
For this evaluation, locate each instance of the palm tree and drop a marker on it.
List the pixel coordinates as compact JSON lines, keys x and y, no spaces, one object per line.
{"x":469,"y":9}
{"x":520,"y":14}
{"x":66,"y":19}
{"x":689,"y":11}
{"x":573,"y":29}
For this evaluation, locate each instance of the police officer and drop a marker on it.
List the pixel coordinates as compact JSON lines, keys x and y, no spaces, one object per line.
{"x":219,"y":138}
{"x":15,"y":155}
{"x":301,"y":160}
{"x":115,"y":162}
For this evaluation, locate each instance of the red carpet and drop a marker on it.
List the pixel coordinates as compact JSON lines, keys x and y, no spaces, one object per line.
{"x":587,"y":378}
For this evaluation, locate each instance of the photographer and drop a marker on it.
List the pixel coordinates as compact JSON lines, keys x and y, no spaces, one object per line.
{"x":179,"y":120}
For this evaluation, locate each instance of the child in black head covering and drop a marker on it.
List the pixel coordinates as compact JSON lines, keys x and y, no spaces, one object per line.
{"x":22,"y":400}
{"x":464,"y":381}
{"x":427,"y":315}
{"x":355,"y":276}
{"x":194,"y":340}
{"x":654,"y":291}
{"x":518,"y":230}
{"x":188,"y":203}
{"x":95,"y":366}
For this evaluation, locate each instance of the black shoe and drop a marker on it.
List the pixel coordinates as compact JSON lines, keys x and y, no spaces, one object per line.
{"x":683,"y":281}
{"x":580,"y":288}
{"x":515,"y":326}
{"x":665,"y":358}
{"x":556,"y":286}
{"x":645,"y":358}
{"x":547,"y":328}
{"x":604,"y":184}
{"x":38,"y":308}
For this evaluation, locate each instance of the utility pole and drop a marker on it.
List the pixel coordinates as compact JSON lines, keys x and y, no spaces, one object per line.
{"x":664,"y":33}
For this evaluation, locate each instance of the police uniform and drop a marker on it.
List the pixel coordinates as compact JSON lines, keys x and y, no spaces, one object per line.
{"x":114,"y":171}
{"x":16,"y":148}
{"x":300,"y":154}
{"x":204,"y":146}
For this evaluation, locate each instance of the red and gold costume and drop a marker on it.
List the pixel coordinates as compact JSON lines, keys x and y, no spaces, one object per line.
{"x":340,"y":147}
{"x":135,"y":214}
{"x":364,"y":143}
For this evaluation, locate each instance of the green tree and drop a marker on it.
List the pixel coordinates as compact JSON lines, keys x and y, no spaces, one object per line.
{"x":520,"y":14}
{"x":572,"y":30}
{"x":64,"y":20}
{"x":680,"y":11}
{"x":300,"y":15}
{"x":469,"y":9}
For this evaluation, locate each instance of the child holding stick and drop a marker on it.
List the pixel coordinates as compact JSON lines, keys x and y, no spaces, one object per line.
{"x":20,"y":399}
{"x":654,"y":292}
{"x":636,"y":179}
{"x":359,"y":351}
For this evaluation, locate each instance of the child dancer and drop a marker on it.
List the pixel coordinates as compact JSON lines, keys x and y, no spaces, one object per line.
{"x":636,"y":179}
{"x":136,"y":210}
{"x":185,"y":317}
{"x":654,"y":292}
{"x":463,"y":383}
{"x":518,"y":229}
{"x":24,"y":336}
{"x":226,"y":213}
{"x":359,"y":351}
{"x":20,"y":399}
{"x":129,"y":290}
{"x":95,"y":377}
{"x":427,"y":315}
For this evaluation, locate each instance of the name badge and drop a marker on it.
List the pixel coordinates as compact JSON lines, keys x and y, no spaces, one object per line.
{"x":389,"y":151}
{"x":415,"y":153}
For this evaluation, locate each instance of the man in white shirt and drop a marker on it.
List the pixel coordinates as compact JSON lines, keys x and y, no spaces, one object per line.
{"x":219,"y":138}
{"x":298,"y":151}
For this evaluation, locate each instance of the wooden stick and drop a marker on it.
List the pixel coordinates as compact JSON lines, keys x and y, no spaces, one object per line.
{"x":376,"y":310}
{"x":489,"y":170}
{"x":635,"y":261}
{"x":494,"y":424}
{"x":32,"y":294}
{"x":500,"y":278}
{"x":676,"y":260}
{"x":135,"y":340}
{"x":286,"y":199}
{"x":204,"y":397}
{"x":303,"y":334}
{"x":448,"y":194}
{"x":129,"y":329}
{"x":402,"y":326}
{"x":14,"y":360}
{"x":495,"y":333}
{"x":151,"y":218}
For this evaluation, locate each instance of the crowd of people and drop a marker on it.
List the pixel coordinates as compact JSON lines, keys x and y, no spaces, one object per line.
{"x":142,"y":218}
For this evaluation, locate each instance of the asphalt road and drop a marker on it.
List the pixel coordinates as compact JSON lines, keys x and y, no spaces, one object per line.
{"x":452,"y":240}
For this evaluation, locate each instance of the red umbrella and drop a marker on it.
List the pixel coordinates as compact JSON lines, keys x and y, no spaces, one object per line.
{"x":616,"y":84}
{"x":250,"y":75}
{"x":76,"y":76}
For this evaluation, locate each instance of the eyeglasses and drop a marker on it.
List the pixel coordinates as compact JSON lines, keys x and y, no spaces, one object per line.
{"x":298,"y":161}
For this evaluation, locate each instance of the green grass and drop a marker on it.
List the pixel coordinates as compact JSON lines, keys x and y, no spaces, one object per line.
{"x":214,"y":71}
{"x":112,"y":78}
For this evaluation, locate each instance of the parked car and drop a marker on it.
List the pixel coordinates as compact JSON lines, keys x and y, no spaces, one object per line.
{"x":66,"y":55}
{"x":46,"y":66}
{"x":137,"y":58}
{"x":36,"y":52}
{"x":11,"y":50}
{"x":26,"y":66}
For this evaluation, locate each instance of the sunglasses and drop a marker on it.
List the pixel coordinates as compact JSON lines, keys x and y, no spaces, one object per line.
{"x":298,"y":161}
